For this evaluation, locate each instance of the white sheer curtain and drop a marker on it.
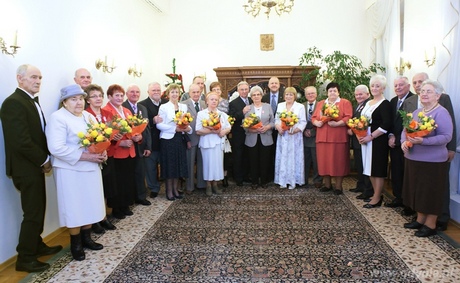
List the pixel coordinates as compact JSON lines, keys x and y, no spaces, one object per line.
{"x":383,"y":18}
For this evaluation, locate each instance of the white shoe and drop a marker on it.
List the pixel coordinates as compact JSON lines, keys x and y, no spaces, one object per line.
{"x":282,"y":187}
{"x":291,"y":187}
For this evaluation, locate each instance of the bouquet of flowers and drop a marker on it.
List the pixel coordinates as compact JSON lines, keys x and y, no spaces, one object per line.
{"x":213,"y":122}
{"x":420,"y":128}
{"x":183,"y":119}
{"x":288,"y":119}
{"x":359,"y":125}
{"x":329,"y":112}
{"x":252,"y":122}
{"x":97,"y":137}
{"x":231,"y":120}
{"x":119,"y":126}
{"x":137,"y":123}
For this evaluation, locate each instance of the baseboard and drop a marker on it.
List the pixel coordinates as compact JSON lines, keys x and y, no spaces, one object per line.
{"x":47,"y":239}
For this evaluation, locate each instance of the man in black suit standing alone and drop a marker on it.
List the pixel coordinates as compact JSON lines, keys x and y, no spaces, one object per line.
{"x":27,"y":159}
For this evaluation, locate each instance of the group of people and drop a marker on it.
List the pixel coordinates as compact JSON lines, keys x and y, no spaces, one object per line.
{"x":92,"y":186}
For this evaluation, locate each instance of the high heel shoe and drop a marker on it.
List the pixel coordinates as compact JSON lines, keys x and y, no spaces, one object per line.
{"x":170,"y":198}
{"x":369,"y":205}
{"x":225,"y":182}
{"x":179,"y":196}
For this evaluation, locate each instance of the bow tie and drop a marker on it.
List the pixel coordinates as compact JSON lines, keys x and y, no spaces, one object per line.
{"x":35,"y":99}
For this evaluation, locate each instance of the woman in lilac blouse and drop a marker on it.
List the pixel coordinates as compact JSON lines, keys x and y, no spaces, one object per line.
{"x":426,"y":167}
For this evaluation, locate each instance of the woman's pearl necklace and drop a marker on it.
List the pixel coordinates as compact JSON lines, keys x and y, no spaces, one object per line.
{"x":426,"y":111}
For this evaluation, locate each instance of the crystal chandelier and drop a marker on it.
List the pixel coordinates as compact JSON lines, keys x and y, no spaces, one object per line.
{"x":253,"y":7}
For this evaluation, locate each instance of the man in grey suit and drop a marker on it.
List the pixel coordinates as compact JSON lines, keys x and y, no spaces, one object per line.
{"x":413,"y":103}
{"x":144,"y":147}
{"x":309,"y":138}
{"x":194,"y":105}
{"x":197,"y":80}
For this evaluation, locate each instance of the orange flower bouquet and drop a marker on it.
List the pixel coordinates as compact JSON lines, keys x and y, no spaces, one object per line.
{"x":329,"y":112}
{"x":183,"y":119}
{"x":288,"y":119}
{"x":213,"y":122}
{"x":420,"y":128}
{"x":97,"y":137}
{"x":252,"y":122}
{"x":137,"y":124}
{"x":119,"y":126}
{"x":359,"y":126}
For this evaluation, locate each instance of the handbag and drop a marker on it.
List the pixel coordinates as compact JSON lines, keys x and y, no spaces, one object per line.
{"x":227,"y":146}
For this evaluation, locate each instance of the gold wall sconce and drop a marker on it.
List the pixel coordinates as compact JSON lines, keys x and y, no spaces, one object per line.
{"x":403,"y":66}
{"x":430,"y":62}
{"x":133,"y":71}
{"x":13,"y":47}
{"x":104,"y":66}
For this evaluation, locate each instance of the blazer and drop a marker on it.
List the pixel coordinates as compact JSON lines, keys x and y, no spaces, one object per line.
{"x":152,"y":111}
{"x":115,"y":149}
{"x":267,"y":118}
{"x":26,"y":149}
{"x":397,"y":126}
{"x":167,"y":112}
{"x":104,"y":115}
{"x":309,"y":141}
{"x":411,"y":104}
{"x":235,"y":109}
{"x":354,"y":141}
{"x":194,"y":138}
{"x":146,"y":142}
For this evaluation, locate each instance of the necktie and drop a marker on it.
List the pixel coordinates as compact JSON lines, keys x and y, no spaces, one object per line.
{"x":40,"y":112}
{"x":273,"y":103}
{"x":310,"y":111}
{"x":246,"y":101}
{"x":134,"y":108}
{"x":197,"y":108}
{"x":399,"y":104}
{"x":36,"y":99}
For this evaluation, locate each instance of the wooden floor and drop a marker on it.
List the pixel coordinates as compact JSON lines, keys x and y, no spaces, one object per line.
{"x":9,"y":275}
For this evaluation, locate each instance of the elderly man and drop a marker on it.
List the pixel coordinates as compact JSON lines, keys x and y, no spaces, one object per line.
{"x":413,"y":103}
{"x":143,"y":148}
{"x":152,"y":103}
{"x":237,"y":109}
{"x":83,"y":78}
{"x":197,"y":80}
{"x":194,"y":105}
{"x":402,"y":91}
{"x":27,"y":159}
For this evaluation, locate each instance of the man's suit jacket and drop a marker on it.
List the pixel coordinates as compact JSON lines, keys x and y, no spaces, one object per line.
{"x":152,"y":111}
{"x":235,"y":110}
{"x":354,"y":141}
{"x":25,"y":142}
{"x":411,"y":104}
{"x":194,"y":138}
{"x":309,"y":141}
{"x":146,"y":142}
{"x":397,"y":126}
{"x":267,"y":98}
{"x":267,"y":118}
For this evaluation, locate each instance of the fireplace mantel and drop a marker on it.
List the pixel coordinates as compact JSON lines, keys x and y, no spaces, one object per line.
{"x":229,"y":77}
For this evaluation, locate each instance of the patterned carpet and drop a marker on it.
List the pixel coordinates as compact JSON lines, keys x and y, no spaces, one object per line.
{"x":263,"y":235}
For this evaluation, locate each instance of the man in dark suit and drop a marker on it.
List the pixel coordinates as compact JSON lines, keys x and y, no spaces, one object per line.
{"x":309,"y":138}
{"x":27,"y":159}
{"x":144,"y":147}
{"x":152,"y":103}
{"x":237,"y":109}
{"x":402,"y":91}
{"x":194,"y":105}
{"x":413,"y":103}
{"x":273,"y":98}
{"x":363,"y":185}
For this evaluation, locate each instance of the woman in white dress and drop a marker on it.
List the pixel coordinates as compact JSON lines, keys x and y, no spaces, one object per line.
{"x":289,"y":160}
{"x":211,"y":143}
{"x":76,"y":171}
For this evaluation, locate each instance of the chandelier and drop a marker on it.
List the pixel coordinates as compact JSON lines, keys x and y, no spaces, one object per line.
{"x":253,"y":7}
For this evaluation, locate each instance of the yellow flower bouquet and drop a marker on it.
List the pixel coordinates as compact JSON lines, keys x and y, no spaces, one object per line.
{"x":359,"y":126}
{"x":212,"y":122}
{"x":329,"y":112}
{"x":97,"y":137}
{"x":231,"y":120}
{"x":120,"y":126}
{"x":288,"y":119}
{"x":251,"y":122}
{"x":137,"y":124}
{"x":420,"y":128}
{"x":183,"y":119}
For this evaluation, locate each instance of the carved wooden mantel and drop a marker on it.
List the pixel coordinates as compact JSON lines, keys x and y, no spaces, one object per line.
{"x":229,"y":77}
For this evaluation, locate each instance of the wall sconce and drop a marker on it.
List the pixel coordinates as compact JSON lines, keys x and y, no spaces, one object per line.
{"x":134,"y":72}
{"x":105,"y":67}
{"x":403,"y":66}
{"x":13,"y":47}
{"x":430,"y":62}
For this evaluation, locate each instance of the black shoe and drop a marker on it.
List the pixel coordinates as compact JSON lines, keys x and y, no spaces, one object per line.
{"x":178,"y":196}
{"x":107,"y":225}
{"x":407,"y":211}
{"x":153,"y":194}
{"x":338,"y":192}
{"x":126,"y":211}
{"x":325,"y":189}
{"x":97,"y":228}
{"x":143,"y":202}
{"x":88,"y":242}
{"x":118,"y":214}
{"x":225,"y":182}
{"x":425,"y":231}
{"x":356,"y":190}
{"x":362,"y":196}
{"x":45,"y":250}
{"x":32,"y":266}
{"x":369,"y":205}
{"x":413,"y":225}
{"x":441,"y":225}
{"x":239,"y":184}
{"x":394,"y":203}
{"x":170,"y":198}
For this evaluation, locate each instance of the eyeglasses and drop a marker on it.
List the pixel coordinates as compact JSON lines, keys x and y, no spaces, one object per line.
{"x":97,"y":96}
{"x":427,"y":91}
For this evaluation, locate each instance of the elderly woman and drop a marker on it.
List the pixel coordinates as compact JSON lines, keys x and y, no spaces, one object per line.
{"x":211,"y":141}
{"x":374,"y":146}
{"x":76,"y":171}
{"x":426,"y":167}
{"x":289,"y":162}
{"x":332,"y":146}
{"x":260,"y":140}
{"x":94,"y":101}
{"x":123,"y":152}
{"x":173,"y":146}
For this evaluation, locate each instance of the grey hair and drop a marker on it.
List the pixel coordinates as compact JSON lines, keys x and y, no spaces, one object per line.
{"x":437,"y":86}
{"x":406,"y":79}
{"x":425,"y":75}
{"x":363,"y":88}
{"x":153,"y":83}
{"x":132,"y":85}
{"x":379,"y":78}
{"x":22,"y":70}
{"x":242,"y":83}
{"x":256,"y":88}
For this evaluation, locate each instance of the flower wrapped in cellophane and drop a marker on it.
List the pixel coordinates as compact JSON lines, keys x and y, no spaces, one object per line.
{"x":359,"y":125}
{"x":119,"y":126}
{"x":288,"y":119}
{"x":417,"y":128}
{"x":329,"y":112}
{"x":213,"y":122}
{"x":96,"y":138}
{"x":183,"y":119}
{"x":137,"y":124}
{"x":251,"y":122}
